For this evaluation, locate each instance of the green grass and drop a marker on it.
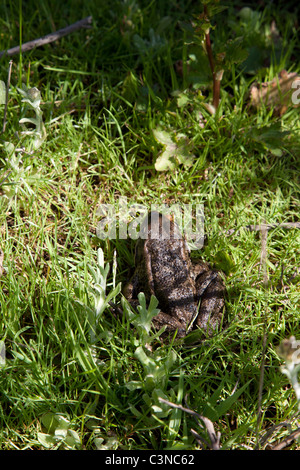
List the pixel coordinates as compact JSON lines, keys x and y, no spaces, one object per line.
{"x":103,"y":91}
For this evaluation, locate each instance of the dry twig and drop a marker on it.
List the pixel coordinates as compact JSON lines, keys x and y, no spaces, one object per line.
{"x":27,"y":46}
{"x":256,"y":228}
{"x":287,"y":441}
{"x":213,"y":436}
{"x":263,"y":263}
{"x":281,"y":444}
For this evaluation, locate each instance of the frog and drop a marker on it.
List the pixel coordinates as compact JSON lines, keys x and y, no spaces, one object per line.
{"x":190,"y":293}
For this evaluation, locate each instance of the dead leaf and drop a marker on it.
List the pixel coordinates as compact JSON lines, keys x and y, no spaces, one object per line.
{"x":280,"y":93}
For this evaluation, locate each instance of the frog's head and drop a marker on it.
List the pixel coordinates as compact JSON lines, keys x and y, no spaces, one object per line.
{"x":158,"y":226}
{"x":155,"y":226}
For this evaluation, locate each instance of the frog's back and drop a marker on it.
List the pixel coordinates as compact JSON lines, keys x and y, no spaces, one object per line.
{"x":172,"y":281}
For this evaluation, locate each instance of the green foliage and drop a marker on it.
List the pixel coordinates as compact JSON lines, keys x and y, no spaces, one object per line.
{"x":157,"y":365}
{"x":220,"y":59}
{"x":142,"y":320}
{"x":59,"y":434}
{"x":271,"y":137}
{"x":177,"y":150}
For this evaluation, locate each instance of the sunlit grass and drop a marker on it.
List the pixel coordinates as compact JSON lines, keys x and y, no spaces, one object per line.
{"x":101,"y":100}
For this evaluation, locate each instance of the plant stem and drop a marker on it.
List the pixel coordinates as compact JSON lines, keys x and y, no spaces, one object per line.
{"x":216,"y":83}
{"x":19,"y":48}
{"x":264,"y":235}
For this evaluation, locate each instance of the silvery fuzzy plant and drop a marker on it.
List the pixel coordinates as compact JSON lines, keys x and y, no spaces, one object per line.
{"x":289,"y":350}
{"x":31,"y":139}
{"x":32,"y":100}
{"x":102,"y":299}
{"x":98,"y":291}
{"x":157,"y":364}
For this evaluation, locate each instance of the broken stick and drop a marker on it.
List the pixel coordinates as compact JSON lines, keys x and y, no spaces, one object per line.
{"x":253,"y":228}
{"x":27,"y":46}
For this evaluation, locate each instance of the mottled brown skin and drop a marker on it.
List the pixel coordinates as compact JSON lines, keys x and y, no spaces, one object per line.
{"x":164,"y":269}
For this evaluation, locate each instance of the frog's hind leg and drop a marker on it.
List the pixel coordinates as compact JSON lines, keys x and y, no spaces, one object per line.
{"x":171,"y":323}
{"x":212,"y":303}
